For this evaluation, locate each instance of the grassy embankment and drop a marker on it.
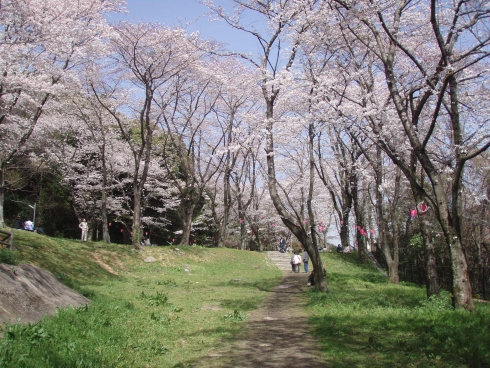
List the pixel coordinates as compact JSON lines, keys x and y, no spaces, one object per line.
{"x":366,"y":322}
{"x":178,"y":309}
{"x":163,"y":314}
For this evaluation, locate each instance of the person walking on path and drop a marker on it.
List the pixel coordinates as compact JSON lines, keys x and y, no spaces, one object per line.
{"x":84,"y":226}
{"x":296,"y":261}
{"x":306,"y":258}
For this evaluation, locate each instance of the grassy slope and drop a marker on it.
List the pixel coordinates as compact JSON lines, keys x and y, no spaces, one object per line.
{"x":162,"y":314}
{"x":366,"y":322}
{"x":172,"y":312}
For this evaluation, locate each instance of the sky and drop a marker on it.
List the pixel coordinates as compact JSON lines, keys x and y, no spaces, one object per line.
{"x":185,"y":12}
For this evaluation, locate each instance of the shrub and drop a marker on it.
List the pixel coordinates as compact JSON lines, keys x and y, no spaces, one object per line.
{"x":7,"y":257}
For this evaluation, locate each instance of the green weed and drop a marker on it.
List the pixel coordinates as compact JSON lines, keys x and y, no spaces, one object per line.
{"x":236,"y":316}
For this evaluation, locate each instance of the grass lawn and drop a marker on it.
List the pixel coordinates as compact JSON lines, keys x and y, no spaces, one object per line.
{"x":168,"y":313}
{"x":366,"y":322}
{"x":173,"y":312}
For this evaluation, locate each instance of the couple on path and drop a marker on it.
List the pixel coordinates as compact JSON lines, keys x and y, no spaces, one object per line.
{"x":296,"y":261}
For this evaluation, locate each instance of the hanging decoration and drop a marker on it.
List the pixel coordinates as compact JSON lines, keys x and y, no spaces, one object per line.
{"x":413,"y":213}
{"x":422,"y":208}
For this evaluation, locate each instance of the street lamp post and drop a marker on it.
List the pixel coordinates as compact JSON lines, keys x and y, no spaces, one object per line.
{"x":34,"y":216}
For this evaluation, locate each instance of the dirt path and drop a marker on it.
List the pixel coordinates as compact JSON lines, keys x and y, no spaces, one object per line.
{"x":275,"y":335}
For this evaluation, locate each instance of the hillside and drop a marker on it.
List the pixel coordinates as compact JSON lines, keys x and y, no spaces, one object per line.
{"x":194,"y":307}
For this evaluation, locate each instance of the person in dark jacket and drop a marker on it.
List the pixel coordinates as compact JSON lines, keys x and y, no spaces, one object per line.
{"x":18,"y":223}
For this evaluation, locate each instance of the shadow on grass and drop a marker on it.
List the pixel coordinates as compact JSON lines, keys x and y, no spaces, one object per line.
{"x":400,"y":341}
{"x":366,"y":322}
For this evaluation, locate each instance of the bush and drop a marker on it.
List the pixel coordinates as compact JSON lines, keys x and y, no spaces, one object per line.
{"x":7,"y":256}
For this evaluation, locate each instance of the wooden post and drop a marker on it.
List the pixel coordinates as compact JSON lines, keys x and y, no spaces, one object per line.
{"x":9,"y":236}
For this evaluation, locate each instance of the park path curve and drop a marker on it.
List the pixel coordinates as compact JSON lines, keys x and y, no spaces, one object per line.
{"x":277,"y":335}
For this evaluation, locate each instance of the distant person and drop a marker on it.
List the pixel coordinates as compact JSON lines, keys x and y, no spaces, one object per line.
{"x":84,"y":226}
{"x":282,"y":245}
{"x":339,"y":249}
{"x":18,"y":223}
{"x":306,"y":258}
{"x":29,"y":225}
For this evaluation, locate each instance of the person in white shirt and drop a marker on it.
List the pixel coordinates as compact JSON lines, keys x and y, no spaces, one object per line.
{"x":29,"y":225}
{"x":296,"y":261}
{"x":84,"y":226}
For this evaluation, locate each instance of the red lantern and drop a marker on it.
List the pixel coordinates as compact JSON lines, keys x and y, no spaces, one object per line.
{"x":122,"y":230}
{"x":413,"y":213}
{"x":146,"y":233}
{"x":422,"y":208}
{"x":110,"y":223}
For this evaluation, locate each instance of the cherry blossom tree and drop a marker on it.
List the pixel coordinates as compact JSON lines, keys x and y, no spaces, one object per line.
{"x":195,"y":136}
{"x":42,"y":42}
{"x":276,"y":60}
{"x":433,"y":57}
{"x":151,"y":59}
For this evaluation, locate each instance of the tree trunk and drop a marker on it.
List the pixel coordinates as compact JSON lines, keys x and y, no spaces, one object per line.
{"x":394,"y":261}
{"x":462,"y":291}
{"x":186,"y":210}
{"x":136,"y":235}
{"x":223,"y":230}
{"x":290,"y":222}
{"x":2,"y":192}
{"x":344,"y":232}
{"x":105,"y":227}
{"x":358,"y":210}
{"x":431,"y":276}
